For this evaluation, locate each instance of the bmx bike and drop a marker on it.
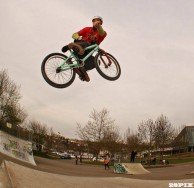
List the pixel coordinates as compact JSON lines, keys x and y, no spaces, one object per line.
{"x":58,"y":70}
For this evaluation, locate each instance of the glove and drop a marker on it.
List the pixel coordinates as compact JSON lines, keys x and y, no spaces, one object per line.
{"x":76,"y":36}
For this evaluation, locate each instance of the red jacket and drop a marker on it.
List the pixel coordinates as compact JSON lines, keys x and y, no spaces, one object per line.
{"x":90,"y":34}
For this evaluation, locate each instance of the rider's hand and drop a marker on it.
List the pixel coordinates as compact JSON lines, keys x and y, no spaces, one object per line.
{"x":79,"y":38}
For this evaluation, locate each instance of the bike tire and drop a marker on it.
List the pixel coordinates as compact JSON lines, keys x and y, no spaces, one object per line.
{"x":46,"y":77}
{"x":113,"y":59}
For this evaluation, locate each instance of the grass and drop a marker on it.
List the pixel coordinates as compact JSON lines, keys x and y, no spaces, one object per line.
{"x":180,"y":160}
{"x":96,"y":163}
{"x":92,"y":162}
{"x":175,"y":159}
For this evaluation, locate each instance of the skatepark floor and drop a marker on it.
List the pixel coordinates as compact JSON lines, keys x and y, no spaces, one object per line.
{"x":68,"y":167}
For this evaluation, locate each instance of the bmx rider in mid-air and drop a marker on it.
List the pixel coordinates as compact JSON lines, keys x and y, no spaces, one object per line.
{"x":86,"y":37}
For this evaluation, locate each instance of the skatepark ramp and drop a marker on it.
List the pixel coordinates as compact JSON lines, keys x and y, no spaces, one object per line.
{"x":16,"y":148}
{"x":130,"y":168}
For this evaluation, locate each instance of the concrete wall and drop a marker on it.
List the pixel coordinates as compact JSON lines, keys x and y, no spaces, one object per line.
{"x":16,"y":148}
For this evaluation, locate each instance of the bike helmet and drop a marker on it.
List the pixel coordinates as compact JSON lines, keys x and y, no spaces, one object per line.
{"x":98,"y":17}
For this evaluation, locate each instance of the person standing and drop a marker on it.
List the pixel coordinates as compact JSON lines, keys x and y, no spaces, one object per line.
{"x":80,"y":158}
{"x":106,"y":162}
{"x":132,"y":156}
{"x":76,"y":160}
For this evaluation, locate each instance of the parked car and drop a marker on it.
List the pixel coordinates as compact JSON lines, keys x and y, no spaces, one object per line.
{"x":99,"y":159}
{"x":55,"y":153}
{"x":65,"y":156}
{"x":72,"y":156}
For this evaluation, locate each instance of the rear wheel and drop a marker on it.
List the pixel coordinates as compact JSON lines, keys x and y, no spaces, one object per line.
{"x":52,"y":72}
{"x":107,"y":66}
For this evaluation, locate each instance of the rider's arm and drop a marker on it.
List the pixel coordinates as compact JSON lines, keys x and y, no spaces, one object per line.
{"x":101,"y":37}
{"x":101,"y":30}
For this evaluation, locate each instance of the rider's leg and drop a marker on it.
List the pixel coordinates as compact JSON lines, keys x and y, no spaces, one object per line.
{"x":81,"y":76}
{"x":89,"y":63}
{"x":86,"y":76}
{"x":83,"y":44}
{"x":83,"y":69}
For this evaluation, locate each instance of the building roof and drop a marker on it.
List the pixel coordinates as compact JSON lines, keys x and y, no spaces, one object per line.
{"x":186,"y":135}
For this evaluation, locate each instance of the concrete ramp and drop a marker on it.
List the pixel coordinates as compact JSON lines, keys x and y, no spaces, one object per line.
{"x":135,"y":168}
{"x":16,"y":148}
{"x":129,"y":168}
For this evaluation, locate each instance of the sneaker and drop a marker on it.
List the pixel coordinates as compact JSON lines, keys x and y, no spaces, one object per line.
{"x":81,"y":78}
{"x":83,"y":70}
{"x":65,"y":49}
{"x":81,"y":74}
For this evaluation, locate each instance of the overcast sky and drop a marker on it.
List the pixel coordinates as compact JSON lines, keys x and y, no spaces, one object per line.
{"x":153,"y":41}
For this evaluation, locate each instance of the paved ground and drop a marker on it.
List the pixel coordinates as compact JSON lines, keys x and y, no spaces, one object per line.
{"x":3,"y":179}
{"x":22,"y":177}
{"x":68,"y":167}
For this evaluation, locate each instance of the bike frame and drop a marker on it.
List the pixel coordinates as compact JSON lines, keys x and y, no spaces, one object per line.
{"x":65,"y":66}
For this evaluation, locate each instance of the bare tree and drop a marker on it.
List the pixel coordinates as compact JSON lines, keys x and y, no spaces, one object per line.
{"x":146,"y":132}
{"x":50,"y":140}
{"x":10,"y":110}
{"x":132,"y":140}
{"x":39,"y":132}
{"x":96,"y":127}
{"x":99,"y":126}
{"x":112,"y":140}
{"x":14,"y":114}
{"x":164,"y":133}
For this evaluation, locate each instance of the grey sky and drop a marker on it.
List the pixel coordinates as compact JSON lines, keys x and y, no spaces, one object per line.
{"x":152,"y":40}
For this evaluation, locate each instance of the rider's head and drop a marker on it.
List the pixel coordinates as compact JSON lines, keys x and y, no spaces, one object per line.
{"x":97,"y":19}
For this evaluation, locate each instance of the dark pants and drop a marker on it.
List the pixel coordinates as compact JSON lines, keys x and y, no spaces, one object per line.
{"x":106,"y":166}
{"x":89,"y":63}
{"x":132,"y":159}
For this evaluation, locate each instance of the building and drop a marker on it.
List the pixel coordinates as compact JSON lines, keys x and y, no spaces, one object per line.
{"x":185,"y":140}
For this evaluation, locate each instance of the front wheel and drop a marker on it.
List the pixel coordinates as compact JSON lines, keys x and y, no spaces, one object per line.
{"x":107,"y":66}
{"x":52,"y":72}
